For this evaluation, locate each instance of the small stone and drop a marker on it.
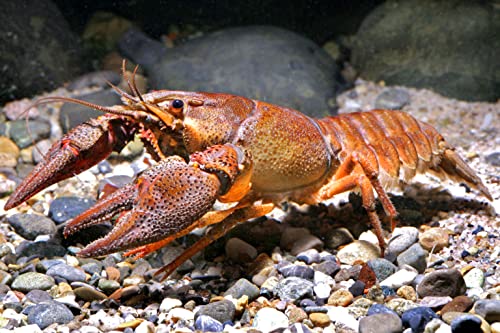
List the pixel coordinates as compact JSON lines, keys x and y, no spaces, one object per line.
{"x":414,"y":256}
{"x":45,"y":314}
{"x":9,"y":153}
{"x":221,"y":311}
{"x":67,"y":272}
{"x":30,"y":226}
{"x":392,"y":99}
{"x":305,"y":243}
{"x":40,"y":249}
{"x":380,"y":308}
{"x":25,"y":136}
{"x":401,"y":278}
{"x":493,"y":159}
{"x":88,"y":293}
{"x":437,"y":326}
{"x":290,"y":235}
{"x":294,"y":288}
{"x":296,"y":314}
{"x":435,"y":302}
{"x":338,"y":237}
{"x":322,"y":290}
{"x":328,"y":267}
{"x":495,"y":327}
{"x":341,"y":315}
{"x":108,"y":286}
{"x":458,"y":304}
{"x":474,"y":278}
{"x":360,"y":307}
{"x":489,"y":309}
{"x":358,"y":251}
{"x":181,"y":314}
{"x":319,"y":319}
{"x":443,"y":282}
{"x":38,"y":296}
{"x":358,"y":288}
{"x":300,"y":271}
{"x":417,"y":318}
{"x":31,"y":281}
{"x":40,"y":150}
{"x":243,"y":287}
{"x":309,"y":257}
{"x":208,"y":324}
{"x":382,"y":268}
{"x":240,"y":251}
{"x":65,"y":208}
{"x":466,"y":324}
{"x":434,"y":239}
{"x":340,"y":297}
{"x":407,"y":292}
{"x":402,"y":238}
{"x":169,"y":303}
{"x":269,"y":319}
{"x":381,"y":323}
{"x":401,"y":305}
{"x":145,"y":327}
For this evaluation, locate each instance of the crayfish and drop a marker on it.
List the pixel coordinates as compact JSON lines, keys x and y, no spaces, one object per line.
{"x":253,"y":155}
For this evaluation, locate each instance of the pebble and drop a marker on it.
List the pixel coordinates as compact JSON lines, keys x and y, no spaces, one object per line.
{"x":443,"y":282}
{"x":358,"y":251}
{"x":9,"y":153}
{"x":309,"y":257}
{"x":407,"y":292}
{"x":474,"y":278}
{"x":415,"y":256}
{"x":466,"y":324}
{"x":401,"y":305}
{"x":269,"y":319}
{"x":300,"y":271}
{"x":342,"y":315}
{"x":328,"y":267}
{"x":30,"y":226}
{"x":306,"y":242}
{"x":382,"y":268}
{"x":460,"y":303}
{"x":402,"y":238}
{"x":243,"y":287}
{"x":40,"y":249}
{"x":489,"y":309}
{"x":294,"y":288}
{"x":381,"y":323}
{"x":401,"y":278}
{"x":38,"y":296}
{"x":380,"y":308}
{"x":495,"y":327}
{"x":338,"y":237}
{"x":48,"y":313}
{"x":89,"y":294}
{"x":65,"y":208}
{"x":240,"y":251}
{"x":30,"y":281}
{"x":435,"y":302}
{"x":493,"y":158}
{"x":208,"y":324}
{"x":392,"y":99}
{"x":69,"y":273}
{"x":434,"y":239}
{"x":221,"y":311}
{"x":169,"y":303}
{"x":19,"y":133}
{"x":322,"y":290}
{"x":319,"y":319}
{"x":417,"y":318}
{"x":290,"y":235}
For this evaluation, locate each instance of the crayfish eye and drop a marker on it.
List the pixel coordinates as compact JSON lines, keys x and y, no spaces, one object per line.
{"x":177,"y":104}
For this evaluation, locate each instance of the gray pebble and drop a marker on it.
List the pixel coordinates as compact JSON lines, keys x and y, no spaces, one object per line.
{"x":19,"y":133}
{"x":338,"y":237}
{"x":221,"y":311}
{"x":294,"y":288}
{"x":309,"y":257}
{"x":402,"y":238}
{"x":65,"y":208}
{"x":67,"y":272}
{"x":489,"y":309}
{"x":32,"y":225}
{"x":305,"y":243}
{"x":38,"y":296}
{"x":415,"y":256}
{"x":493,"y":159}
{"x":45,"y":314}
{"x":239,"y":251}
{"x":392,"y":99}
{"x":382,"y":268}
{"x":31,"y":281}
{"x":243,"y":287}
{"x":444,"y":282}
{"x":300,"y":271}
{"x":40,"y":249}
{"x":381,"y":323}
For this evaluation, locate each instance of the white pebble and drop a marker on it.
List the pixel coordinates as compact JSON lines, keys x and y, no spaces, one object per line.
{"x":339,"y":314}
{"x":169,"y":303}
{"x":268,"y":319}
{"x":401,"y":278}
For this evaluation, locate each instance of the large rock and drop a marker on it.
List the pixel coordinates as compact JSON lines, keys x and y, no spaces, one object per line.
{"x":451,"y":47}
{"x":38,"y":51}
{"x":260,"y":62}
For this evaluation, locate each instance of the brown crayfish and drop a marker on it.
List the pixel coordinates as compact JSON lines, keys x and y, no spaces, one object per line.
{"x":212,"y":146}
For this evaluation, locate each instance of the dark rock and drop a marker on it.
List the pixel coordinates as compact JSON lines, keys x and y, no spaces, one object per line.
{"x":296,"y":72}
{"x":243,"y":287}
{"x":221,"y":311}
{"x":493,"y":159}
{"x":38,"y":296}
{"x":458,"y":304}
{"x":92,"y":267}
{"x":489,"y":309}
{"x":444,"y":282}
{"x":357,"y":289}
{"x":381,"y":323}
{"x":67,"y":272}
{"x":65,"y":208}
{"x":417,"y":318}
{"x":328,"y":267}
{"x":38,"y":50}
{"x":310,"y":256}
{"x":208,"y":324}
{"x":240,"y":251}
{"x":392,"y":99}
{"x":294,"y":288}
{"x":45,"y":264}
{"x":379,"y":308}
{"x":337,"y":237}
{"x":403,"y":44}
{"x":32,"y":225}
{"x":300,"y":271}
{"x":466,"y":324}
{"x":40,"y":249}
{"x":383,"y":268}
{"x":45,"y":314}
{"x":26,"y":135}
{"x":415,"y":256}
{"x":72,"y":114}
